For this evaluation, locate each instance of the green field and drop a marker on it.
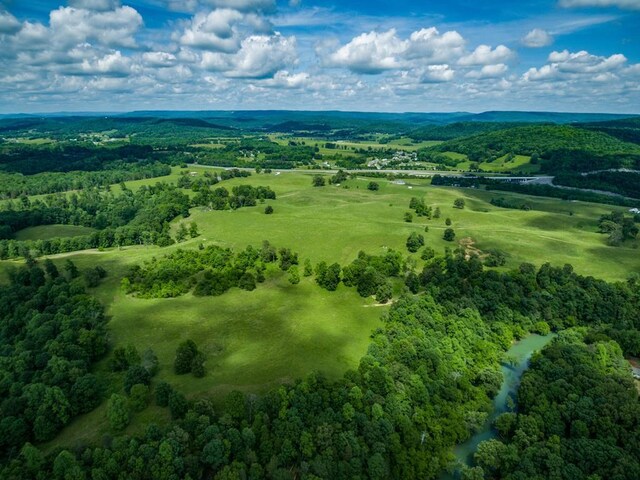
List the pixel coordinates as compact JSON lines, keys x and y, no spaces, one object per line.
{"x":519,"y":164}
{"x":46,"y":232}
{"x":279,"y":332}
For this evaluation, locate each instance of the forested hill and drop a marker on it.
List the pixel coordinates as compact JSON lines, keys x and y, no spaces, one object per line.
{"x":626,"y":129}
{"x":459,"y":130}
{"x":556,"y":147}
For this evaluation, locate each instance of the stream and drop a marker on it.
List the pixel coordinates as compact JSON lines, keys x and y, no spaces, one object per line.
{"x":521,"y":352}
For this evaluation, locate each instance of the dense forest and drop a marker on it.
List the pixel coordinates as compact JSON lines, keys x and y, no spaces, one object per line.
{"x":622,"y":183}
{"x":51,"y":333}
{"x":424,"y":385}
{"x":14,"y":185}
{"x":459,"y":130}
{"x":578,"y":416}
{"x":556,"y":148}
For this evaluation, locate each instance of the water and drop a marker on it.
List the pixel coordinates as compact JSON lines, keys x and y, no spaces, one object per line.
{"x":521,"y":353}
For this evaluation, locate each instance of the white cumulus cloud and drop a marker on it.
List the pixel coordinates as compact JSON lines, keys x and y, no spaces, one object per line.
{"x":485,"y":55}
{"x":489,"y":71}
{"x":565,"y":65}
{"x":437,"y":74}
{"x":259,"y":56}
{"x":537,"y":38}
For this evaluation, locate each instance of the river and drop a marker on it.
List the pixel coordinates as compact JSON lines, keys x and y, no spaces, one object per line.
{"x":520,"y":352}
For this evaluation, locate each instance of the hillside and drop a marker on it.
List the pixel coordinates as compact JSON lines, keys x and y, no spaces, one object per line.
{"x":555,"y":147}
{"x":458,"y":130}
{"x":627,"y":129}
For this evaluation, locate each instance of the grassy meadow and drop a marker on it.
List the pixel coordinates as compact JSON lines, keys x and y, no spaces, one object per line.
{"x":45,"y":232}
{"x":279,"y":332}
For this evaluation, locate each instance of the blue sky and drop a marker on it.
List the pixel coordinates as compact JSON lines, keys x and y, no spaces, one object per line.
{"x":369,"y":55}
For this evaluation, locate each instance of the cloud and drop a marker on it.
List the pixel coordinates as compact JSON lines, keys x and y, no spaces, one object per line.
{"x":375,"y":52}
{"x":626,"y":4}
{"x":70,"y":26}
{"x":537,"y":38}
{"x":260,"y":56}
{"x":97,"y":5}
{"x":159,"y":59}
{"x":214,"y":31}
{"x":437,"y":74}
{"x":566,"y":65}
{"x":370,"y":53}
{"x":484,"y":55}
{"x":489,"y":71}
{"x":284,"y":79}
{"x":112,"y":64}
{"x":8,"y":23}
{"x":429,"y":46}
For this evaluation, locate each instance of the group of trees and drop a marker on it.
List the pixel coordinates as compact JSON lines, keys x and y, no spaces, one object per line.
{"x":14,"y":185}
{"x":622,"y":183}
{"x":240,"y":196}
{"x":422,"y":210}
{"x":578,"y":416}
{"x":557,"y":148}
{"x":189,"y":359}
{"x":210,"y":271}
{"x":126,"y":218}
{"x":140,"y":217}
{"x":619,"y":228}
{"x":51,"y":333}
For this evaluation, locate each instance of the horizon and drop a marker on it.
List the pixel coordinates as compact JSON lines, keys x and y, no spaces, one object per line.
{"x":63,"y":113}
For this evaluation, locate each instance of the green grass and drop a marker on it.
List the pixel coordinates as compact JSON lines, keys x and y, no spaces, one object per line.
{"x":45,"y":232}
{"x":279,"y":332}
{"x":519,"y":164}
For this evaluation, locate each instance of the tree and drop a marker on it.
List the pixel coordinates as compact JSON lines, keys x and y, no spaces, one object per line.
{"x":93,"y":276}
{"x":268,"y":210}
{"x":287,"y":259}
{"x":447,"y":222}
{"x":384,"y":292}
{"x":123,"y":358}
{"x":162,"y":394}
{"x":71,"y":269}
{"x":178,"y":405}
{"x":408,"y":217}
{"x":459,"y":203}
{"x":182,"y":233}
{"x":247,"y":282}
{"x":118,"y":412}
{"x":139,"y":397}
{"x":294,"y":275}
{"x":308,"y":268}
{"x":193,"y":230}
{"x":51,"y":269}
{"x":436,"y":213}
{"x":136,"y":374}
{"x":414,"y":242}
{"x":328,"y":277}
{"x":318,"y":181}
{"x":185,"y":354}
{"x":373,"y":186}
{"x":86,"y":393}
{"x":449,"y":235}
